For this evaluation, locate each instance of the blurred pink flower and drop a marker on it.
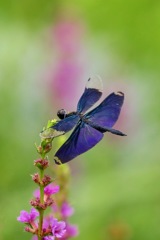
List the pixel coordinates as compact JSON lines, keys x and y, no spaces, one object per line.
{"x":66,"y":82}
{"x":55,"y":229}
{"x":58,"y":228}
{"x":65,"y":79}
{"x":48,"y":190}
{"x":68,"y":35}
{"x":71,"y":231}
{"x":26,"y":217}
{"x":66,"y":210}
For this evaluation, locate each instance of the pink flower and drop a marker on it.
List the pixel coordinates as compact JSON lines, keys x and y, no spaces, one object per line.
{"x":68,"y":74}
{"x":51,"y":189}
{"x":68,"y":33}
{"x":26,"y":217}
{"x":48,"y":190}
{"x":58,"y":228}
{"x":36,"y":193}
{"x":55,"y":228}
{"x":71,"y":231}
{"x":48,"y":221}
{"x":66,"y":210}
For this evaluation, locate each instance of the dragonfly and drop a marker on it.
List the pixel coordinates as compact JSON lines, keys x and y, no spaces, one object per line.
{"x":89,"y":126}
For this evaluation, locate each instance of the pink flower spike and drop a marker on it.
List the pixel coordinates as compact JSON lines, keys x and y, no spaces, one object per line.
{"x":66,"y":210}
{"x":51,"y":189}
{"x":26,"y":217}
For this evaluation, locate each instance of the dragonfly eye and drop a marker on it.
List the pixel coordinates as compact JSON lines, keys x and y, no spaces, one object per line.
{"x":61,"y":114}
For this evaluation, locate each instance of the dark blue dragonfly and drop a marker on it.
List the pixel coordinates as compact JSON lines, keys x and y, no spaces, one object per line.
{"x":90,"y":126}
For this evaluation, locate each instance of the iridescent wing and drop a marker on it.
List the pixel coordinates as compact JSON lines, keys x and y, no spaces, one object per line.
{"x":91,"y":95}
{"x":107,"y":113}
{"x":66,"y":124}
{"x":81,"y":140}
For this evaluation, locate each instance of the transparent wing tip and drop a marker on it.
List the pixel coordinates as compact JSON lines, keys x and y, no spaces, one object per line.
{"x":50,"y":133}
{"x":95,"y":82}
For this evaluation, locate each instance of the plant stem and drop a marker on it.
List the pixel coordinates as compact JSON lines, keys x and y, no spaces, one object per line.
{"x":41,"y":211}
{"x":41,"y":187}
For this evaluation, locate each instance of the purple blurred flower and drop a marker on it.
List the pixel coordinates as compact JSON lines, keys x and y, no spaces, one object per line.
{"x":58,"y":228}
{"x":66,"y":210}
{"x":48,"y":190}
{"x":26,"y":217}
{"x":48,"y":221}
{"x":51,"y":189}
{"x":68,"y":35}
{"x":71,"y":231}
{"x":67,"y":76}
{"x":36,"y":193}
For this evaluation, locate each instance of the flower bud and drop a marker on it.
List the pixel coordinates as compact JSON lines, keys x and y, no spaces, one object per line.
{"x":41,"y":163}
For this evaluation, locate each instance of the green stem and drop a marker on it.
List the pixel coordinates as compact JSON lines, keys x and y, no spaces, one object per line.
{"x":41,"y":211}
{"x":39,"y":238}
{"x":41,"y":187}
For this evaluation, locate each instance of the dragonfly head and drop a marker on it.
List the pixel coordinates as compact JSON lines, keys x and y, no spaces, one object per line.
{"x":61,"y":113}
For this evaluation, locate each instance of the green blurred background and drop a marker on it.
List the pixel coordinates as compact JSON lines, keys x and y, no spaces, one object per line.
{"x":48,"y":49}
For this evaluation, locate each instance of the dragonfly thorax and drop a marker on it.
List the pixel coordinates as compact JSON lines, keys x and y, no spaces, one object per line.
{"x":81,"y":115}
